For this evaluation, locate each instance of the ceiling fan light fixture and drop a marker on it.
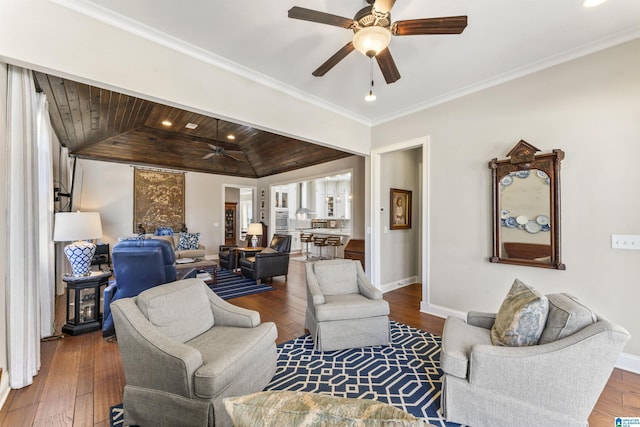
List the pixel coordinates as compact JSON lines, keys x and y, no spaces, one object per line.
{"x":370,"y":97}
{"x":231,"y":137}
{"x":166,"y":123}
{"x":373,"y":38}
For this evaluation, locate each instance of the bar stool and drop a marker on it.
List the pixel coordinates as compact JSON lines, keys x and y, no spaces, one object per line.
{"x":306,"y":238}
{"x":336,"y":242}
{"x":319,"y":242}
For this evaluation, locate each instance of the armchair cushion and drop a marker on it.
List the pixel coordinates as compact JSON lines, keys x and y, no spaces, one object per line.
{"x":226,"y":352}
{"x":188,"y":241}
{"x":268,"y":251}
{"x":521,"y":317}
{"x":297,"y":408}
{"x":337,"y":278}
{"x":566,"y":316}
{"x":179,"y":310}
{"x":350,"y":306}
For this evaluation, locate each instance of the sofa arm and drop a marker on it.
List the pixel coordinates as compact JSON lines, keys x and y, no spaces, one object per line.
{"x":227,"y":314}
{"x":142,"y":346}
{"x":364,"y":285}
{"x":481,"y":319}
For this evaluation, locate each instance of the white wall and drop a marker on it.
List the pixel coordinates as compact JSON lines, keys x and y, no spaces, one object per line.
{"x":108,"y":188}
{"x":589,"y":108}
{"x":4,"y":379}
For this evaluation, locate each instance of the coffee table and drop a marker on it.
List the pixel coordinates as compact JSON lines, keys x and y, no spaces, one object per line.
{"x":201,"y":265}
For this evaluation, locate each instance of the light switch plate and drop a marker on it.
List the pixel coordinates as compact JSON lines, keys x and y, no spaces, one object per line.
{"x":625,"y":241}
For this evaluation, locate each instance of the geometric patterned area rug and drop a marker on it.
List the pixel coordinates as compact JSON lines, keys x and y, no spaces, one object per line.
{"x":231,"y":285}
{"x":405,"y":374}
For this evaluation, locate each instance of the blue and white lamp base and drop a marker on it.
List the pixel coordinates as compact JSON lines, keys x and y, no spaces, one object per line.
{"x":80,"y":254}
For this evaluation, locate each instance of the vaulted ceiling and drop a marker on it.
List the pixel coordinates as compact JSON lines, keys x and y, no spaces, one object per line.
{"x":99,"y":124}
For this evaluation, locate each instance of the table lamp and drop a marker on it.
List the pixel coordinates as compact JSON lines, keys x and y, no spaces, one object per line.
{"x":78,"y":227}
{"x":255,"y":230}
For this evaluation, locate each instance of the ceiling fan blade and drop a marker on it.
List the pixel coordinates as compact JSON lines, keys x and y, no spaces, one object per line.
{"x":208,"y":156}
{"x":331,"y":62}
{"x":388,"y":66}
{"x":213,"y":147}
{"x":232,"y":156}
{"x":383,"y":6}
{"x":412,"y":27}
{"x":321,"y":17}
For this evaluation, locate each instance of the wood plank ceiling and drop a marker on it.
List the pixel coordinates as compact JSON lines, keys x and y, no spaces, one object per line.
{"x":99,"y":124}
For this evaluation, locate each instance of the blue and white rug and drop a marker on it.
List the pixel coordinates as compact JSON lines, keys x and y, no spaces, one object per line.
{"x":405,"y":374}
{"x":231,"y":285}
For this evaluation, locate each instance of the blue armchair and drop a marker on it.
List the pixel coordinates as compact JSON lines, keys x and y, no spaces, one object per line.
{"x":138,"y":265}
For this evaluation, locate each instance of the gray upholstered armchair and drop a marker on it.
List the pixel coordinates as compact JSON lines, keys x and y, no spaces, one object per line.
{"x":184,"y":349}
{"x":554,"y":383}
{"x":344,"y":310}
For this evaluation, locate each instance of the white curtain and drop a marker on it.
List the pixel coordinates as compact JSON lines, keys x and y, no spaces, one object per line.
{"x":28,"y":229}
{"x":45,"y":217}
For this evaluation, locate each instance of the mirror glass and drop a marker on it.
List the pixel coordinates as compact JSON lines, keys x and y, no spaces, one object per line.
{"x":525,"y":202}
{"x":526,"y":208}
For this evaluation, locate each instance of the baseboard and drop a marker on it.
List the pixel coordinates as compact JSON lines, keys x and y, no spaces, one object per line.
{"x":629,"y":362}
{"x":440,"y":311}
{"x":626,"y":361}
{"x":398,"y":284}
{"x":4,"y":387}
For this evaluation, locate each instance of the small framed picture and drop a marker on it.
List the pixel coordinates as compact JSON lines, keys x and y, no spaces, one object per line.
{"x":400,"y":209}
{"x":262,"y":194}
{"x":261,"y":215}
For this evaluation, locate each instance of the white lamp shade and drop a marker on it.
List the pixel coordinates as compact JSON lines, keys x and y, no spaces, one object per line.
{"x":373,"y":38}
{"x":72,"y":226}
{"x":255,"y":229}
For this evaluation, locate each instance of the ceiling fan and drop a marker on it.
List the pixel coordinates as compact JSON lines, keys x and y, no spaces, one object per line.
{"x":219,"y":151}
{"x":373,"y":29}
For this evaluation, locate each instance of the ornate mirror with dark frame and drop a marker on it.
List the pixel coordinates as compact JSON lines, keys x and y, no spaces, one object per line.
{"x":526,"y":208}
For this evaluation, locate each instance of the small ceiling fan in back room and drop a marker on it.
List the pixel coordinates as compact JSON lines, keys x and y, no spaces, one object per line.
{"x":217,"y":151}
{"x":373,"y":29}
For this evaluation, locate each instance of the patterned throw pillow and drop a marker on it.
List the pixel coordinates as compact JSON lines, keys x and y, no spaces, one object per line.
{"x":302,"y":409}
{"x":188,"y":241}
{"x":164,"y":231}
{"x":521,"y":318}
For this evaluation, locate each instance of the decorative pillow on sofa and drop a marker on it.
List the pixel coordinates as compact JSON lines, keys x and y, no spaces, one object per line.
{"x":566,"y":317}
{"x":300,"y":409}
{"x":521,"y":317}
{"x":188,"y":241}
{"x":164,"y":231}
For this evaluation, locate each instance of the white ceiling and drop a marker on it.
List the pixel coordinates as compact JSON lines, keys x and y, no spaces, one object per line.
{"x":504,"y":39}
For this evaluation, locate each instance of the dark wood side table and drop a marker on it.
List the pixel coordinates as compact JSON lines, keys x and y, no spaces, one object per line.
{"x":83,"y":302}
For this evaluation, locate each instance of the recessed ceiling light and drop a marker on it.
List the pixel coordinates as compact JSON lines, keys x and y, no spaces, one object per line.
{"x":166,"y":123}
{"x":191,"y":125}
{"x":231,"y":137}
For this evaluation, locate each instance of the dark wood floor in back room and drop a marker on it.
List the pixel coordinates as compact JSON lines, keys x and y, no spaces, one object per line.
{"x":82,"y":376}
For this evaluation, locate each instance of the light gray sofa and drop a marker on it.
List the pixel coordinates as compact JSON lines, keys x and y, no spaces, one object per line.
{"x":344,"y":310}
{"x":184,"y":349}
{"x":182,"y":253}
{"x":556,"y":383}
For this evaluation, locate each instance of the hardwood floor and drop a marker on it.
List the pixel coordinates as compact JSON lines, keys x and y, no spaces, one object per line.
{"x":82,"y":376}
